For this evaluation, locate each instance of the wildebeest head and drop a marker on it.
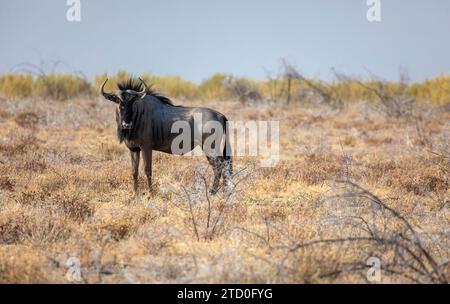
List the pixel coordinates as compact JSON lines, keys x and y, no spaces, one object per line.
{"x":128,"y":93}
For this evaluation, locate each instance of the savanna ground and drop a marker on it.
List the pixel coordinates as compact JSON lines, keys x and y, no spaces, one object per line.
{"x":66,"y":191}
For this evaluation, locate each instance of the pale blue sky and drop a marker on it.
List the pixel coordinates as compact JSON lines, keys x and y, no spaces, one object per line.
{"x":197,"y":38}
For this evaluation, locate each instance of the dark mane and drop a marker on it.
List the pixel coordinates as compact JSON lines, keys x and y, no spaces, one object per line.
{"x":136,"y":85}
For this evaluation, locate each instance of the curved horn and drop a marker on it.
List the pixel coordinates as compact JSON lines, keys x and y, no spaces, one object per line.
{"x":103,"y":86}
{"x":146,"y":88}
{"x":108,"y":96}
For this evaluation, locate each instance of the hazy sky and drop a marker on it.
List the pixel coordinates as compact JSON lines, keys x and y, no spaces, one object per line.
{"x":197,"y":38}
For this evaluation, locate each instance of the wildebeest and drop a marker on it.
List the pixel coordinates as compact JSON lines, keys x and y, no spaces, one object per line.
{"x":144,"y":123}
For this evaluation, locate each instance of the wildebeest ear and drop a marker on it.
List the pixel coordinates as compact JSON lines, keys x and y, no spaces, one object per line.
{"x":142,"y":94}
{"x":112,"y":97}
{"x":109,"y":96}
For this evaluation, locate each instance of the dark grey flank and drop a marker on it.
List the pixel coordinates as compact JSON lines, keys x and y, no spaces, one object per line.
{"x":144,"y":121}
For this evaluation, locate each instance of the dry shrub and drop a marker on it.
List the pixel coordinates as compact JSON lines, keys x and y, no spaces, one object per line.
{"x":73,"y":206}
{"x":64,"y":204}
{"x":27,"y":120}
{"x":4,"y":115}
{"x":121,"y":224}
{"x":35,"y":225}
{"x":394,"y":100}
{"x":409,"y":175}
{"x":22,"y":265}
{"x":155,"y":237}
{"x":50,"y":182}
{"x":363,"y":227}
{"x":111,"y":151}
{"x":379,"y":170}
{"x":363,"y":125}
{"x":423,"y":131}
{"x":6,"y":183}
{"x":320,"y":167}
{"x":242,"y":89}
{"x":378,"y":140}
{"x":19,"y":144}
{"x":35,"y":163}
{"x":118,"y":229}
{"x":349,"y":140}
{"x":282,"y":171}
{"x":31,"y":197}
{"x":274,"y":214}
{"x":425,"y":184}
{"x":207,"y":213}
{"x":295,"y":119}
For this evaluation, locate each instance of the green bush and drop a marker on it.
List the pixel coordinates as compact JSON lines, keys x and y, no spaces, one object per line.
{"x":214,"y":87}
{"x":219,"y":86}
{"x":61,"y":86}
{"x":53,"y":86}
{"x":16,"y":85}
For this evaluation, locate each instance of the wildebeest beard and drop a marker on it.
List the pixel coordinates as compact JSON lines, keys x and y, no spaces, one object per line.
{"x":123,"y":134}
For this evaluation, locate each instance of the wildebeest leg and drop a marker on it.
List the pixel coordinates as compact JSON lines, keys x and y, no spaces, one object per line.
{"x":147,"y":156}
{"x":135,"y":156}
{"x":216,"y":165}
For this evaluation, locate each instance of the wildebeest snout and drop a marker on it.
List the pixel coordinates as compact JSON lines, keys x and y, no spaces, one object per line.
{"x":127,"y":125}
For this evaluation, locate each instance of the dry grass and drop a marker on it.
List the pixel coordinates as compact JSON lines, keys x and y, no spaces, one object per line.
{"x":65,"y":191}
